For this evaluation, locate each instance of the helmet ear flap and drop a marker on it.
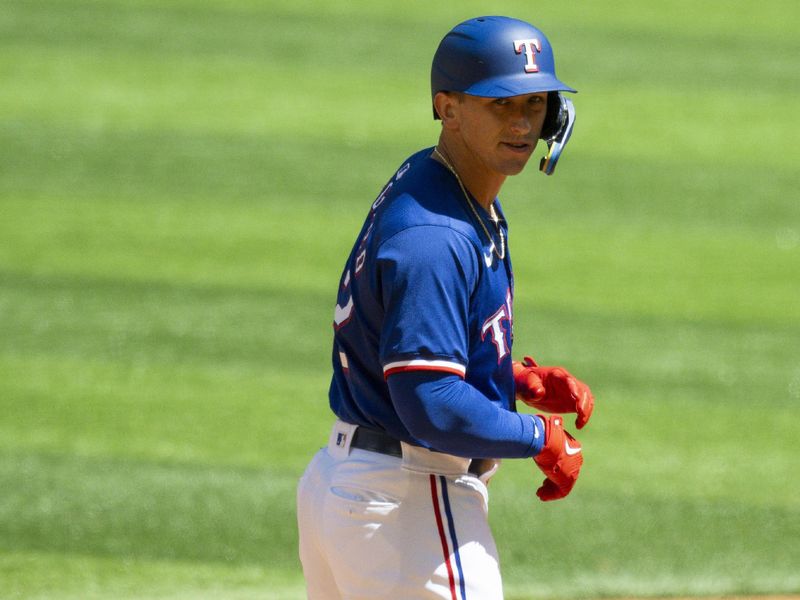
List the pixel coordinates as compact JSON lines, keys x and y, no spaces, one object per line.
{"x":565,"y":121}
{"x":553,"y":117}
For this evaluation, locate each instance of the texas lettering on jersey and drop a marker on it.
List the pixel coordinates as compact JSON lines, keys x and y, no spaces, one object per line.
{"x":498,"y":327}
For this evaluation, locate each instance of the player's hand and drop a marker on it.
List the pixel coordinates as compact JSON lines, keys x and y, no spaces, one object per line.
{"x":560,"y":460}
{"x":552,"y":389}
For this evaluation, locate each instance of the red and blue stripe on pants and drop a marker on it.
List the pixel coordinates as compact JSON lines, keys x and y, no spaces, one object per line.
{"x":447,"y":535}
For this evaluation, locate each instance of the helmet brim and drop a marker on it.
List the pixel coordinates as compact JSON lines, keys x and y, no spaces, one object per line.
{"x":505,"y":86}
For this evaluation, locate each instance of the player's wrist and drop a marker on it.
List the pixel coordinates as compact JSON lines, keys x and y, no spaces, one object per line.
{"x":538,"y":434}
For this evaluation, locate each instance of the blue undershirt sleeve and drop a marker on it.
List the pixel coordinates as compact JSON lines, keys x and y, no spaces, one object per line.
{"x":449,"y":415}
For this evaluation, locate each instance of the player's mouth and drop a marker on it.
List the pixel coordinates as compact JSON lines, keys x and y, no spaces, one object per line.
{"x":518,"y":147}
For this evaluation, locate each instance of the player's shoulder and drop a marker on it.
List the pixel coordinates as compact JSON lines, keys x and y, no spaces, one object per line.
{"x":424,"y":194}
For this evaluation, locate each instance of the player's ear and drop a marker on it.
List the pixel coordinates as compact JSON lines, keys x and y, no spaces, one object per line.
{"x":446,"y":105}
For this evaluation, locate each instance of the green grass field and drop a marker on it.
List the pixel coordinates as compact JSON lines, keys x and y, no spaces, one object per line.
{"x":180,"y":183}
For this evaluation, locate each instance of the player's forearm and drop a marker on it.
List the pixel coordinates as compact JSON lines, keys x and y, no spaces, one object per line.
{"x":451,"y":416}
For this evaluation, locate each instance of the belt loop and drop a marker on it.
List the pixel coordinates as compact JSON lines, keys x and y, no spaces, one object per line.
{"x":340,"y":439}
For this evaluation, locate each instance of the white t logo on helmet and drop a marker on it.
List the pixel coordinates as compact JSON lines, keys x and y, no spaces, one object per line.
{"x":529,"y":46}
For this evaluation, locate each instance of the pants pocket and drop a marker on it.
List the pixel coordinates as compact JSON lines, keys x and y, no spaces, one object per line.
{"x":361,"y":533}
{"x":364,"y":496}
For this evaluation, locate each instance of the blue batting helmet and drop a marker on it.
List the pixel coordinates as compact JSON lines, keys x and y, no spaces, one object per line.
{"x":494,"y":57}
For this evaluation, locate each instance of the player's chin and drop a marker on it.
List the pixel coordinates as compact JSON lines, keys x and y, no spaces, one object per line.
{"x":515,"y":156}
{"x":514,"y":166}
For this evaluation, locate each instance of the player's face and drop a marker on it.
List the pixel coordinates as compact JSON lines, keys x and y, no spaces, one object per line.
{"x":502,"y":132}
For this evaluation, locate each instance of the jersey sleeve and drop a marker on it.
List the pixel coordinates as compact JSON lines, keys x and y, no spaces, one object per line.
{"x":426,"y":275}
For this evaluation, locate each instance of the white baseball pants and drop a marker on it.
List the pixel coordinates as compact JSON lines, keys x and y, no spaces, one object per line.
{"x":375,"y":526}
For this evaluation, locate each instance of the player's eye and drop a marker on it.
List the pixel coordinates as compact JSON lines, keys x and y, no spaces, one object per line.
{"x":501,"y":101}
{"x":537,"y":103}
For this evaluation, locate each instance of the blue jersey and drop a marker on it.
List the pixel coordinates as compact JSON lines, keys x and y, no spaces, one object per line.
{"x":422,"y":290}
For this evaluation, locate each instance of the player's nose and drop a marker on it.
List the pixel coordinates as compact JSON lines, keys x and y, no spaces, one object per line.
{"x":520,"y":122}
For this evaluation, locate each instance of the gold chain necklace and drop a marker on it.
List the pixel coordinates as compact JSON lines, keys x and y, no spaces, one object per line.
{"x":502,"y":254}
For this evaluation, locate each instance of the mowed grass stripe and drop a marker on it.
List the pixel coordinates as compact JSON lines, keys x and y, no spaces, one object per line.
{"x":126,"y":508}
{"x":108,"y":509}
{"x":229,"y":327}
{"x":697,"y":273}
{"x":667,"y":546}
{"x":217,"y":415}
{"x":35,"y":576}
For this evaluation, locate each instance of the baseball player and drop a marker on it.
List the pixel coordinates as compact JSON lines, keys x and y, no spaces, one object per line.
{"x":424,"y":385}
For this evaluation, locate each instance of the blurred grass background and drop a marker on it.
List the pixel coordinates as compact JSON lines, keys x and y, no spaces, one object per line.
{"x":180,"y":183}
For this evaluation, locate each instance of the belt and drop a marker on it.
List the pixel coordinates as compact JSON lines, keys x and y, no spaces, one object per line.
{"x":376,"y":441}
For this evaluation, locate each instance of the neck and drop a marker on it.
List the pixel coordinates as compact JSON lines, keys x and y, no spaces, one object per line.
{"x":482,"y":183}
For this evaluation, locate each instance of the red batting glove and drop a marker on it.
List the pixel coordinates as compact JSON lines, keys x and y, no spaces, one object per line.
{"x":552,"y":389}
{"x":560,"y":459}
